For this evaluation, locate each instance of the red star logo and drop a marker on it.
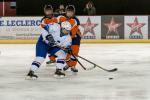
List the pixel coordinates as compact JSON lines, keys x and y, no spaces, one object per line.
{"x":89,"y":27}
{"x":136,"y":26}
{"x":112,"y":26}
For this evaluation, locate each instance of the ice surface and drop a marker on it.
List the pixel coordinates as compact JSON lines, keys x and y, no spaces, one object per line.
{"x":131,"y":81}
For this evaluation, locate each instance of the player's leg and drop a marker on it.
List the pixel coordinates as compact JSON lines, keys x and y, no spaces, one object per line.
{"x":41,"y":52}
{"x":35,"y":65}
{"x":71,"y":62}
{"x":60,"y":63}
{"x":52,"y":59}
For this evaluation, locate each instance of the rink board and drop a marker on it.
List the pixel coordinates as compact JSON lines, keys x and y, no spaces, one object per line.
{"x":94,"y":29}
{"x":82,"y":41}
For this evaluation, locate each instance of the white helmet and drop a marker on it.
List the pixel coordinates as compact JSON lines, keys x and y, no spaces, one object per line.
{"x":66,"y":25}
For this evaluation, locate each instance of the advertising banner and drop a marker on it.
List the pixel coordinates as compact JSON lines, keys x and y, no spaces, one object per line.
{"x":136,"y":27}
{"x":112,"y":27}
{"x":90,"y":27}
{"x":19,"y":27}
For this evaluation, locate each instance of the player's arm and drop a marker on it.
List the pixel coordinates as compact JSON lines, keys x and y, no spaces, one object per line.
{"x":48,"y":38}
{"x":43,"y":22}
{"x":44,"y":33}
{"x":65,"y":41}
{"x":75,"y":28}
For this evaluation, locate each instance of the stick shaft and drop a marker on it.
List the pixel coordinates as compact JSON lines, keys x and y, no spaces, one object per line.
{"x":95,"y":64}
{"x":78,"y":61}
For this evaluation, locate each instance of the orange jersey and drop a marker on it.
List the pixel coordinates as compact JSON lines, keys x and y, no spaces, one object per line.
{"x":74,"y":21}
{"x":46,"y":20}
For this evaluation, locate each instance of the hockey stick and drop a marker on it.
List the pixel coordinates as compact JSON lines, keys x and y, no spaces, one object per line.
{"x":111,"y":70}
{"x":95,"y":65}
{"x":75,"y":58}
{"x":81,"y":63}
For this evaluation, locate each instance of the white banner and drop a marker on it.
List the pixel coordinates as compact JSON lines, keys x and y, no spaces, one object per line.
{"x":19,"y":27}
{"x":136,"y":27}
{"x":90,"y":27}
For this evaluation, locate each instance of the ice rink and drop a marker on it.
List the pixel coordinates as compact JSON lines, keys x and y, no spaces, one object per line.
{"x":131,"y":81}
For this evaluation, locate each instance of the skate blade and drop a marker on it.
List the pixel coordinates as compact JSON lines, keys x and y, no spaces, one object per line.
{"x":30,"y":78}
{"x":74,"y":73}
{"x":59,"y":76}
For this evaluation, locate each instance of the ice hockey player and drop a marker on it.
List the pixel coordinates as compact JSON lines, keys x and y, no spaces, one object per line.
{"x":47,"y":42}
{"x":75,"y":34}
{"x":48,"y":19}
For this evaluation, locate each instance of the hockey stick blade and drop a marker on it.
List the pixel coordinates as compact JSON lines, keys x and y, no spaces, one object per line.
{"x":113,"y":70}
{"x":95,"y":65}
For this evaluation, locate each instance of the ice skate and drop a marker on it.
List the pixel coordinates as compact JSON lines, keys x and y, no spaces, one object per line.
{"x":59,"y":73}
{"x":31,"y":75}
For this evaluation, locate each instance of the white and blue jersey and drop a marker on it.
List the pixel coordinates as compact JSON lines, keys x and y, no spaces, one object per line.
{"x":54,"y":29}
{"x":41,"y":47}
